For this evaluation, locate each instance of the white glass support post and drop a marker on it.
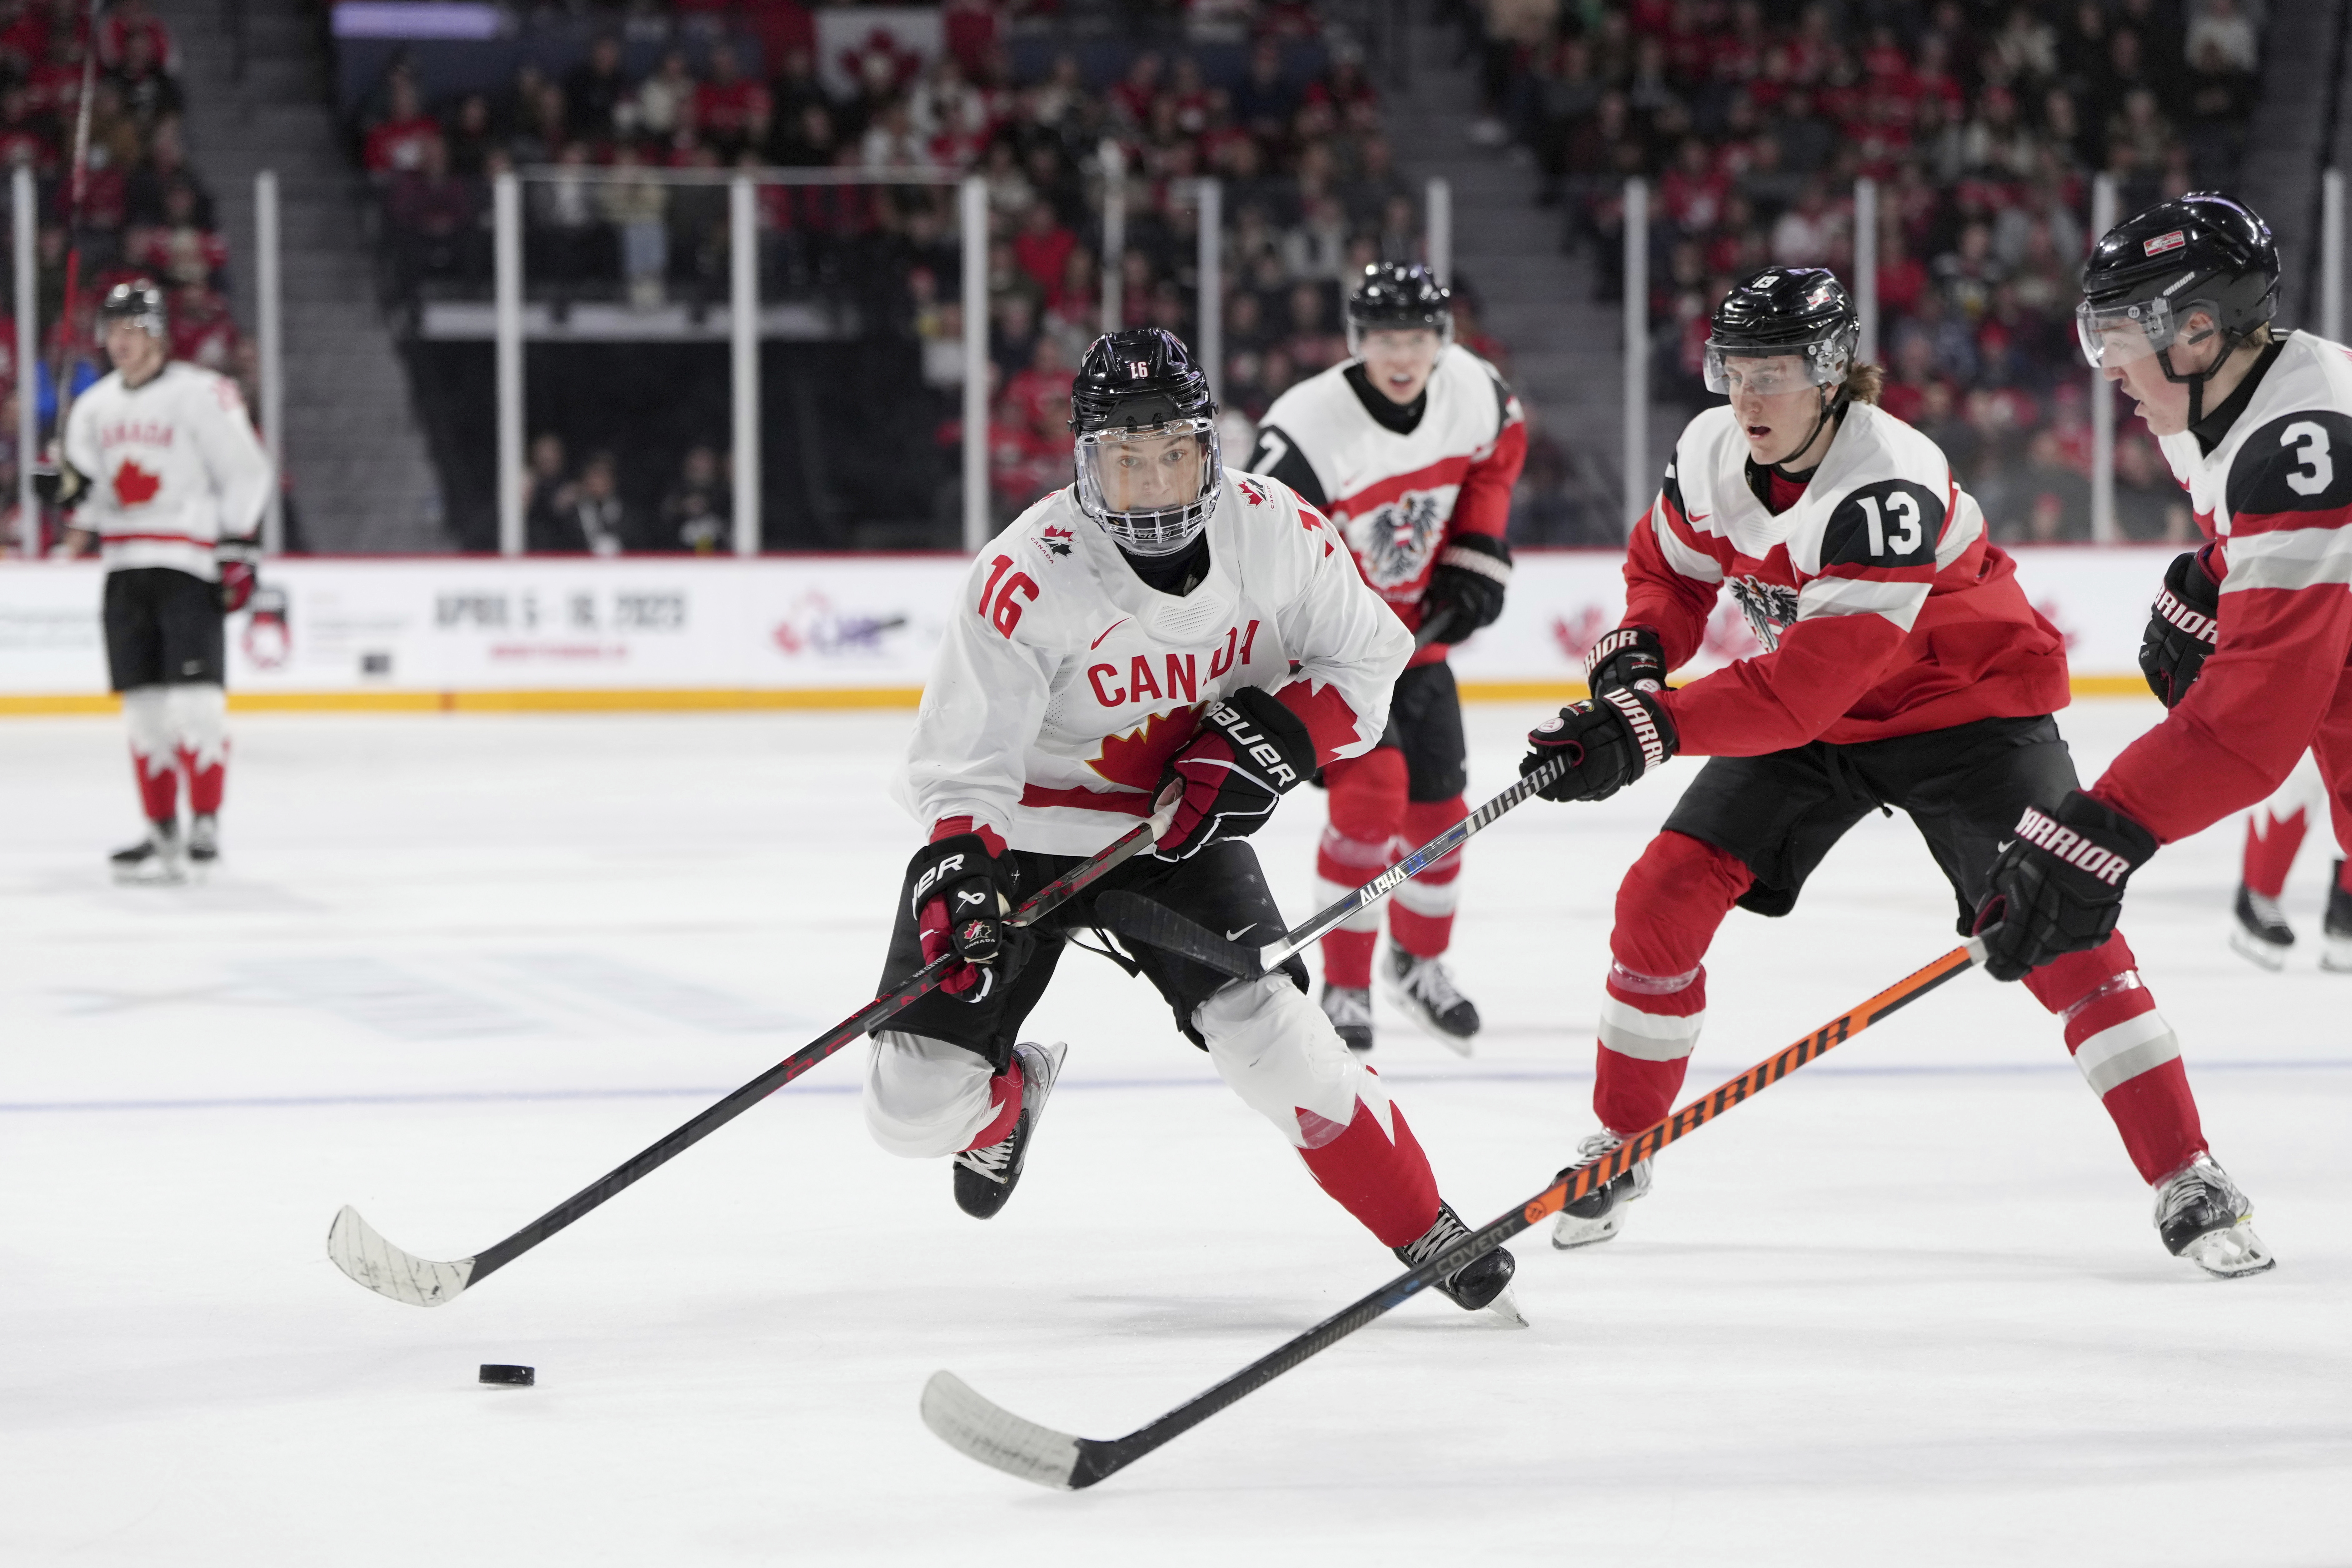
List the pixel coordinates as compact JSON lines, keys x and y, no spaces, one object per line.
{"x":972,"y":201}
{"x":743,"y":354}
{"x":2102,"y":397}
{"x":1114,"y":232}
{"x":1437,"y":240}
{"x":28,"y":328}
{"x":506,"y":251}
{"x":268,"y":303}
{"x":1865,"y":268}
{"x":2331,"y":255}
{"x":1209,"y":305}
{"x":1637,"y":350}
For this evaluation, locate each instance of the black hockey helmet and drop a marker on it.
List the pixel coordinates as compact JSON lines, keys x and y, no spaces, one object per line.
{"x":1147,"y":456}
{"x":1398,"y":296}
{"x":2150,"y":274}
{"x":140,"y":303}
{"x":1785,"y":311}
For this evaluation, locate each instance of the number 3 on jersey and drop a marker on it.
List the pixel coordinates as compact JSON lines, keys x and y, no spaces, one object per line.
{"x":1892,"y":523}
{"x":1004,"y":613}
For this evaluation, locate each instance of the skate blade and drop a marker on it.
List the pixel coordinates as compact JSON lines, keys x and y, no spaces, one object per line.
{"x":1570,"y":1232}
{"x":2229,"y":1253}
{"x":2336,"y":958}
{"x":172,"y":878}
{"x":1459,"y":1044}
{"x":1507,"y":1307}
{"x":2268,"y":955}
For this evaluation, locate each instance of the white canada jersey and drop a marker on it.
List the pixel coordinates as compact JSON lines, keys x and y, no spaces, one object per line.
{"x":1064,"y":683}
{"x":174,"y":466}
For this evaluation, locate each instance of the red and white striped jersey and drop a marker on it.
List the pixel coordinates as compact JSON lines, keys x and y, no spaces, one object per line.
{"x":1065,"y":682}
{"x":1883,"y":609}
{"x":173,"y":467}
{"x":2276,"y":491}
{"x":1400,"y":487}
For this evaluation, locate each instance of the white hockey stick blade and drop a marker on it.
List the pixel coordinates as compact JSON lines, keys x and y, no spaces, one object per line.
{"x":995,"y":1436}
{"x":384,"y":1269}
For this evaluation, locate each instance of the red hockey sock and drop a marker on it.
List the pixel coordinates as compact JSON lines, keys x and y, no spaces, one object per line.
{"x":205,"y":784}
{"x":1386,"y":1182}
{"x":1420,"y":915}
{"x":2271,"y":844}
{"x":1367,"y":803}
{"x":1004,"y":1092}
{"x":1347,"y":958}
{"x":2126,"y":1052}
{"x":1668,"y":908}
{"x":159,"y":787}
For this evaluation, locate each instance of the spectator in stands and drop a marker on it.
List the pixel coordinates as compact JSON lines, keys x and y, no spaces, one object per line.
{"x":397,"y":143}
{"x":471,"y":137}
{"x":730,"y":111}
{"x":149,"y":95}
{"x":663,"y":109}
{"x":637,"y":207}
{"x":548,"y":494}
{"x":594,"y":91}
{"x":598,"y":513}
{"x":697,"y":511}
{"x":434,"y":217}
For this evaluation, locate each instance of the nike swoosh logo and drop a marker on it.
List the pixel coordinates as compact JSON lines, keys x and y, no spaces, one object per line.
{"x":2002,"y":848}
{"x":1698,"y":517}
{"x":1238,"y":935}
{"x":1108,"y":630}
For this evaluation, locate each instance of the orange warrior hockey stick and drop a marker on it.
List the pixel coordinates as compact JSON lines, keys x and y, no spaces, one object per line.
{"x":994,"y":1435}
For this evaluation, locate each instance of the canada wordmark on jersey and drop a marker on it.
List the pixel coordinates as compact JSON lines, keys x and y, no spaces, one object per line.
{"x":1883,"y":609}
{"x":2276,"y":490}
{"x":1064,"y":683}
{"x":174,"y":466}
{"x":1400,"y":487}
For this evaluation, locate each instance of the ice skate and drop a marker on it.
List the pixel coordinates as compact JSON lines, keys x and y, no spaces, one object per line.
{"x":1597,"y":1216}
{"x":1426,"y":992}
{"x":2261,"y":933}
{"x":203,"y":844}
{"x":2336,"y":936}
{"x":153,"y":862}
{"x":2202,"y":1217}
{"x":1484,"y":1283}
{"x":985,"y":1178}
{"x":1350,"y":1008}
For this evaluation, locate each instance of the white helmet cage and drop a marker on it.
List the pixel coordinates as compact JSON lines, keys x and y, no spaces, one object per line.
{"x":1190,"y":499}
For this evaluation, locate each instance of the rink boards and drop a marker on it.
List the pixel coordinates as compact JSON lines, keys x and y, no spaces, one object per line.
{"x":836,"y":631}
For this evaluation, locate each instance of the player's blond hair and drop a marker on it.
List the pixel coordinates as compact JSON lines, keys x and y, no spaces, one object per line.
{"x":1863,"y":382}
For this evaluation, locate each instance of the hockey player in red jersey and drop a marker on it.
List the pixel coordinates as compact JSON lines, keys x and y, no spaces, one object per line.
{"x":1903,"y":668}
{"x":2274,"y":831}
{"x":1160,"y":626}
{"x":2249,"y":642}
{"x":1411,"y":447}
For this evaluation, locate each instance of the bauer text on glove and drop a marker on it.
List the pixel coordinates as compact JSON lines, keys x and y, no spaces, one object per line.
{"x":1250,"y":749}
{"x":961,"y":890}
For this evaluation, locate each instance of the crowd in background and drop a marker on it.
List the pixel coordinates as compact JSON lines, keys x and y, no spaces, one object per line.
{"x":145,"y":213}
{"x":1981,"y":121}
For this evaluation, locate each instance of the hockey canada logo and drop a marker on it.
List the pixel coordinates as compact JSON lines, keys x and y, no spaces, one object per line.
{"x":1057,"y":541}
{"x":1396,"y":541}
{"x":1768,"y":606}
{"x":2164,"y":241}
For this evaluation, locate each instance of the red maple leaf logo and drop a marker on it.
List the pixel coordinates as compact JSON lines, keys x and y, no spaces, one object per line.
{"x":133,"y":486}
{"x":1138,"y":757}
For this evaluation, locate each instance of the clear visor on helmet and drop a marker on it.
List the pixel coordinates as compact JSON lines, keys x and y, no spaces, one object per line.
{"x":1734,"y":371}
{"x":2122,"y":334}
{"x":1441,"y":330}
{"x":1151,"y":487}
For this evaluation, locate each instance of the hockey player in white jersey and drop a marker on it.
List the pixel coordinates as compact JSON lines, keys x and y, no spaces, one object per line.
{"x":1161,"y":625}
{"x":162,"y":468}
{"x":1413,"y":448}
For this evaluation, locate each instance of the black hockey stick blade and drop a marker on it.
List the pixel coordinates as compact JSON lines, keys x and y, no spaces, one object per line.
{"x":982,"y":1431}
{"x":1148,"y":921}
{"x":359,"y":1250}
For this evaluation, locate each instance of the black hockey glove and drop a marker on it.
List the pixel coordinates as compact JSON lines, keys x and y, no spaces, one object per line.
{"x":1249,"y":750}
{"x":2058,"y":886}
{"x":959,"y":895}
{"x":1609,"y":740}
{"x":235,"y":559}
{"x":2180,"y":628}
{"x":58,"y":483}
{"x":1629,"y":656}
{"x":1466,"y":587}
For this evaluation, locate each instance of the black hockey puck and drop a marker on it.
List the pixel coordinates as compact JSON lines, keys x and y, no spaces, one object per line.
{"x":513,"y":1376}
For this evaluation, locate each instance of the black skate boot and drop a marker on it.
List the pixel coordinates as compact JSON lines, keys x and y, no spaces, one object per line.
{"x":1425,"y":990}
{"x":204,"y":842}
{"x":1597,"y":1216}
{"x":153,"y":862}
{"x":1483,"y":1282}
{"x":1350,"y":1008}
{"x":985,"y":1178}
{"x":2261,"y":933}
{"x":2202,"y":1215}
{"x":2336,"y":950}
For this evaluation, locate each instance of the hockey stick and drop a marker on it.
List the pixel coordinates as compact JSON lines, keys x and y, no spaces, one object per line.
{"x":358,"y":1251}
{"x":987,"y":1432}
{"x":1141,"y":919}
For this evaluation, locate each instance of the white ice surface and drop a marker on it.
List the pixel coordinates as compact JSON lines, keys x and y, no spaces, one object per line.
{"x":1907,"y":1308}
